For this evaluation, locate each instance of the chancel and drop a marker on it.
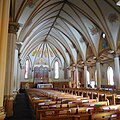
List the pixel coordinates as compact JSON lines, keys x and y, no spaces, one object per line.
{"x":59,"y":59}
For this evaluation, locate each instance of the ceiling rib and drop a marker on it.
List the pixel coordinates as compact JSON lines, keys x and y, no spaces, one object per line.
{"x":55,"y":20}
{"x":48,"y":55}
{"x":37,"y":54}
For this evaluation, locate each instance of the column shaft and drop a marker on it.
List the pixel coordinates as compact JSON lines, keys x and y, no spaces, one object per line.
{"x":49,"y":77}
{"x":73,"y":78}
{"x":18,"y":75}
{"x":15,"y":70}
{"x":9,"y":80}
{"x":98,"y":75}
{"x":77,"y":77}
{"x":117,"y":72}
{"x":10,"y":64}
{"x":4,"y":19}
{"x":85,"y":77}
{"x":69,"y":73}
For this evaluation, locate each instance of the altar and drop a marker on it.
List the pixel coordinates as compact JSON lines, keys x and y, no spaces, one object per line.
{"x":44,"y":86}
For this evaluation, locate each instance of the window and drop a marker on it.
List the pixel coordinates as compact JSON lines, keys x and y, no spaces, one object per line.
{"x":56,"y":70}
{"x":26,"y":68}
{"x":110,"y":76}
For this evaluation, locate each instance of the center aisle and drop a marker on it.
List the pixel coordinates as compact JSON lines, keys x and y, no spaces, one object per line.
{"x":22,"y":109}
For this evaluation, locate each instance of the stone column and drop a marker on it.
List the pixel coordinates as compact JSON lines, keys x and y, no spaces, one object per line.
{"x":73,"y":75}
{"x":49,"y":77}
{"x":73,"y":78}
{"x":18,"y":75}
{"x":4,"y":19}
{"x":16,"y":70}
{"x":9,"y":80}
{"x":69,"y":73}
{"x":116,"y":72}
{"x":52,"y":73}
{"x":98,"y":74}
{"x":69,"y":76}
{"x":77,"y":77}
{"x":85,"y":76}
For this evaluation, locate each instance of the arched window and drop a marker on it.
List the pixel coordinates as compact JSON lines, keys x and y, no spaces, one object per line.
{"x":110,"y":76}
{"x":26,"y":69}
{"x":56,"y":70}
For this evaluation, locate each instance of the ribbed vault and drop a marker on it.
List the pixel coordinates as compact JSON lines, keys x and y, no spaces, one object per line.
{"x":69,"y":30}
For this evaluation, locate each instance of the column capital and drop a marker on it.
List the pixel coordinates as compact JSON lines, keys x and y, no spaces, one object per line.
{"x":116,"y":55}
{"x":13,"y":27}
{"x":68,"y":68}
{"x":98,"y":60}
{"x":9,"y":97}
{"x":85,"y":63}
{"x":73,"y":69}
{"x":18,"y":46}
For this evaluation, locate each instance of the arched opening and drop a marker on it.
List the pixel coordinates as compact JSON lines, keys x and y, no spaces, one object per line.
{"x":110,"y":76}
{"x":56,"y":70}
{"x":26,"y":69}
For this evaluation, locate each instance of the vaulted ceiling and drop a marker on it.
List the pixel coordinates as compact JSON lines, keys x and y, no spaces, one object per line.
{"x":73,"y":31}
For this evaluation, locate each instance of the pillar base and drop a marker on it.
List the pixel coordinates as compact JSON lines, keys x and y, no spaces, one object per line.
{"x":2,"y":113}
{"x":8,"y":104}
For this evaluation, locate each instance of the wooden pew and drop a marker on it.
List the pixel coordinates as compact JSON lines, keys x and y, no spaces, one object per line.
{"x":68,"y":107}
{"x":65,"y":104}
{"x":103,"y":115}
{"x":62,"y":112}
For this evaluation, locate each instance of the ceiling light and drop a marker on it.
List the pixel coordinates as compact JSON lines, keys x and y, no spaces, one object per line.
{"x":110,"y":51}
{"x":20,"y":43}
{"x":103,"y":35}
{"x":118,"y":3}
{"x":82,"y":61}
{"x":94,"y":58}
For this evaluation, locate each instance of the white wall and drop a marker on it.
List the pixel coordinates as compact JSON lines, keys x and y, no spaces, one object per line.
{"x":104,"y":68}
{"x":61,"y":75}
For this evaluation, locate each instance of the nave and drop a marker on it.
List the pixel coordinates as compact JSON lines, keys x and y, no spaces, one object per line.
{"x":72,"y":46}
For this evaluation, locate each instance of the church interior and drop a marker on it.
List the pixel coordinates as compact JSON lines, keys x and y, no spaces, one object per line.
{"x":59,"y":59}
